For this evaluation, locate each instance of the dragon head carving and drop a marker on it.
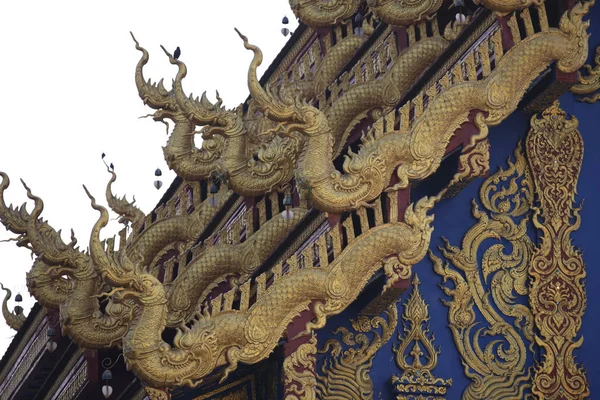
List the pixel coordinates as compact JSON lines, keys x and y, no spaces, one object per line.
{"x":292,"y":114}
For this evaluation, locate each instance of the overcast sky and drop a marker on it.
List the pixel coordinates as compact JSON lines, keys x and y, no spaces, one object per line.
{"x":68,"y":95}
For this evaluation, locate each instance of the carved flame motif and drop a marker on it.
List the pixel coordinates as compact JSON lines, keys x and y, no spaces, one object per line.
{"x":299,"y":372}
{"x":492,"y":285}
{"x":589,"y":83}
{"x":403,"y":12}
{"x":417,"y":379}
{"x":557,"y":295}
{"x":345,"y":373}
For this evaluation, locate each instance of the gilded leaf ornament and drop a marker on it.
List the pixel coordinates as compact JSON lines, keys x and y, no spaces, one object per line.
{"x":417,"y":380}
{"x":345,"y":373}
{"x":589,"y":83}
{"x":299,"y":375}
{"x":492,"y":285}
{"x":557,"y":295}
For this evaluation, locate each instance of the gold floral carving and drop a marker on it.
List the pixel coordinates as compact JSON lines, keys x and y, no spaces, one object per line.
{"x":557,"y":295}
{"x":299,"y":375}
{"x":321,"y":14}
{"x":417,"y":379}
{"x":403,"y":12}
{"x":589,"y":83}
{"x":13,"y":319}
{"x":492,"y":285}
{"x":345,"y":373}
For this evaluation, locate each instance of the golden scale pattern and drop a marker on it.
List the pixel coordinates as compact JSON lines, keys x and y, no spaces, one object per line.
{"x":300,"y":146}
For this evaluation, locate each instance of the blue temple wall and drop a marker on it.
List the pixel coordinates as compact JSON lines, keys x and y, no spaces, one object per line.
{"x":453,"y":218}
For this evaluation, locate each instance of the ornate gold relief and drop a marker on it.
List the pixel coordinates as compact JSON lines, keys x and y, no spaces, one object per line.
{"x":474,"y":161}
{"x":492,"y":285}
{"x":345,"y":373}
{"x":590,"y":83}
{"x":417,"y":380}
{"x":321,"y":14}
{"x":299,"y":375}
{"x":508,"y":6}
{"x":416,"y":153}
{"x":403,"y":12}
{"x":557,"y":295}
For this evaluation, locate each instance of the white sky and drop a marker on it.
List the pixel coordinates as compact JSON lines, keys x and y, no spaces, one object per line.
{"x":68,"y":95}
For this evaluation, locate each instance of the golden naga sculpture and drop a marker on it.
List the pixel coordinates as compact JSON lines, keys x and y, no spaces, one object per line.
{"x":417,"y":153}
{"x":224,"y":263}
{"x":345,"y":373}
{"x":384,"y":93}
{"x":173,"y":231}
{"x":80,"y":311}
{"x":556,"y":269}
{"x":48,"y":287}
{"x":216,"y":340}
{"x":181,"y":154}
{"x":403,"y":12}
{"x":63,"y":277}
{"x":321,"y":14}
{"x":508,"y":6}
{"x":333,"y":63}
{"x":128,"y":212}
{"x":589,"y":83}
{"x":13,"y":319}
{"x":249,"y":169}
{"x":491,"y":285}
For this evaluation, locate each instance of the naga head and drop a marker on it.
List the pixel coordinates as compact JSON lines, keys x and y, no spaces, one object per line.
{"x":293,"y":114}
{"x":47,"y":243}
{"x":128,"y":279}
{"x":14,"y":219}
{"x":127,"y":211}
{"x":200,"y":110}
{"x":153,"y":94}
